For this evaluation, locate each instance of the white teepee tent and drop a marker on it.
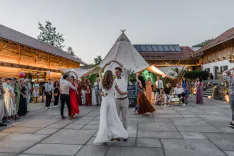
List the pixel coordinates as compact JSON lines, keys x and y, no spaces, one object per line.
{"x":124,"y":52}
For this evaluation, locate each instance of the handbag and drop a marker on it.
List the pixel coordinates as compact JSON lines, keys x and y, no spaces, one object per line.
{"x":55,"y":94}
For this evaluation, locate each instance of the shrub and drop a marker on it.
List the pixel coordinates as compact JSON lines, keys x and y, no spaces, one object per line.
{"x":197,"y":73}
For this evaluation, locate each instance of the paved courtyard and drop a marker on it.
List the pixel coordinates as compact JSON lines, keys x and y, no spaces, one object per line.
{"x":196,"y":130}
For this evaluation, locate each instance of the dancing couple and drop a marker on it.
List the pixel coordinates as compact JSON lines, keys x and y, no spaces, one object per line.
{"x":114,"y":100}
{"x":68,"y":96}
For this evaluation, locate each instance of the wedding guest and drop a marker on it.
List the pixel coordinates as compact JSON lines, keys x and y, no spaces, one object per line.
{"x":23,"y":101}
{"x":230,"y":78}
{"x":43,"y":89}
{"x":36,"y":92}
{"x":185,"y":85}
{"x":199,"y":92}
{"x":2,"y":106}
{"x":167,"y":95}
{"x":28,"y":90}
{"x":73,"y":100}
{"x":49,"y":88}
{"x":98,"y":89}
{"x":88,"y":96}
{"x":144,"y":105}
{"x":179,"y":92}
{"x":12,"y":90}
{"x":17,"y":93}
{"x":65,"y":86}
{"x":84,"y":87}
{"x":8,"y":99}
{"x":159,"y":85}
{"x":56,"y":93}
{"x":79,"y":99}
{"x":149,"y":88}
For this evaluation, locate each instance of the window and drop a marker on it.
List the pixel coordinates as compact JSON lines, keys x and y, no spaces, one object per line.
{"x":223,"y":68}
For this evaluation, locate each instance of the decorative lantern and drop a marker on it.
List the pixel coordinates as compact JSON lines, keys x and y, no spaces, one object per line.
{"x":48,"y":72}
{"x":21,"y":74}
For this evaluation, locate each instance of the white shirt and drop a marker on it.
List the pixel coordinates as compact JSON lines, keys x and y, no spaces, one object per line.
{"x":49,"y":87}
{"x":65,"y":86}
{"x":122,"y":84}
{"x":178,"y":91}
{"x":99,"y":87}
{"x":159,"y":84}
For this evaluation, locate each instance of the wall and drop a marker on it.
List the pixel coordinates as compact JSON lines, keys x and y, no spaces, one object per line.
{"x":218,"y":64}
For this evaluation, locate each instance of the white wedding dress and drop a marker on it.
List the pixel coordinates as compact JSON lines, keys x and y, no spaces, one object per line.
{"x":110,"y":124}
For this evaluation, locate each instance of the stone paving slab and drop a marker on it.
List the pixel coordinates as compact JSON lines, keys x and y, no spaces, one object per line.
{"x":47,"y":131}
{"x":92,"y":151}
{"x":230,"y":153}
{"x":148,"y":142}
{"x":157,"y":126}
{"x":197,"y":129}
{"x":54,"y":149}
{"x":189,"y":122}
{"x":25,"y":130}
{"x":153,"y":134}
{"x":37,"y":123}
{"x":67,"y":136}
{"x":179,"y":147}
{"x":134,"y":151}
{"x":3,"y":134}
{"x":8,"y":154}
{"x":223,"y":141}
{"x":74,"y":126}
{"x":192,"y":135}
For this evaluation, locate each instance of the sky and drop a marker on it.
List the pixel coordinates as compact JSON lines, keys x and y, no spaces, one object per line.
{"x":91,"y":27}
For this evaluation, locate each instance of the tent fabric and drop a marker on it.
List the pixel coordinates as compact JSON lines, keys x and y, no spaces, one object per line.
{"x":124,"y":52}
{"x":168,"y":70}
{"x":81,"y":72}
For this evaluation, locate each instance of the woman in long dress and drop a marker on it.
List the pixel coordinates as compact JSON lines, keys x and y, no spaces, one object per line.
{"x":110,"y":127}
{"x":73,"y":101}
{"x":17,"y":93}
{"x":144,"y":105}
{"x":78,"y":95}
{"x":23,"y":99}
{"x":149,"y":88}
{"x":56,"y":93}
{"x":8,"y":99}
{"x":199,"y":92}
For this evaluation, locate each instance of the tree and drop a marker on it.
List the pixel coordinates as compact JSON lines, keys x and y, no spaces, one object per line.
{"x":70,"y":51}
{"x":98,"y":60}
{"x":204,"y":43}
{"x":49,"y":35}
{"x":177,"y":73}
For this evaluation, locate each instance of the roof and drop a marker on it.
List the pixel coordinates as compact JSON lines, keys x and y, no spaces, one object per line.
{"x":226,"y":36}
{"x":20,"y":38}
{"x":124,"y":52}
{"x":164,"y":52}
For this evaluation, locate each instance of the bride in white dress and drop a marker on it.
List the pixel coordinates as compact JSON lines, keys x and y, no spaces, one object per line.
{"x":110,"y":125}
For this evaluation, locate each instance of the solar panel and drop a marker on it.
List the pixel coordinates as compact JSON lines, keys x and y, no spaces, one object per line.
{"x":155,"y":48}
{"x":149,"y":48}
{"x":138,"y":48}
{"x":143,"y":48}
{"x":160,"y":48}
{"x":166,"y":47}
{"x":172,"y":48}
{"x":177,"y":47}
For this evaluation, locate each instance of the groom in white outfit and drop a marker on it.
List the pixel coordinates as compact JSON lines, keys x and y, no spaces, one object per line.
{"x":122,"y":102}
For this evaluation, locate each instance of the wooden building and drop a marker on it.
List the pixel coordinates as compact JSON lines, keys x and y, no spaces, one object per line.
{"x":22,"y":53}
{"x":168,"y":56}
{"x":218,"y":55}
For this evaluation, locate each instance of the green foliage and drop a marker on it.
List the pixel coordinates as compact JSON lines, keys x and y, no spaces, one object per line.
{"x":197,"y":73}
{"x":70,"y":51}
{"x":204,"y":43}
{"x":49,"y":35}
{"x":97,"y":60}
{"x":131,"y":76}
